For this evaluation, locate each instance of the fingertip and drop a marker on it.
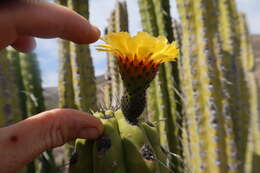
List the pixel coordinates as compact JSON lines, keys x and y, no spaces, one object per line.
{"x":96,"y":34}
{"x":86,"y":33}
{"x":89,"y":133}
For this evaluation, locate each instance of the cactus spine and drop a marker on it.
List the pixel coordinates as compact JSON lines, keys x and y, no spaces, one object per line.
{"x":82,"y":66}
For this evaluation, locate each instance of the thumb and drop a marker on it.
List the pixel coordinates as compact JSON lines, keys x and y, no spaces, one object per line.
{"x":24,"y":141}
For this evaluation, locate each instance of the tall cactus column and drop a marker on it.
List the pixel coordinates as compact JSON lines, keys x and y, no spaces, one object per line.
{"x":33,"y":90}
{"x":117,"y":22}
{"x":206,"y":85}
{"x":14,"y":58}
{"x":228,"y":19}
{"x":113,"y":70}
{"x":227,"y":152}
{"x":190,"y":115}
{"x":82,"y":66}
{"x":248,"y":63}
{"x":9,"y":101}
{"x":163,"y":89}
{"x":148,"y":20}
{"x":164,"y":23}
{"x":32,"y":83}
{"x":66,"y":92}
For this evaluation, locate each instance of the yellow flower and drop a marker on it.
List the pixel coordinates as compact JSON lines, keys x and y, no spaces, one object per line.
{"x":139,"y":55}
{"x":142,"y":47}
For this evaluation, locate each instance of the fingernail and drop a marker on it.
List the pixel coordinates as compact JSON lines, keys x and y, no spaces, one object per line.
{"x":89,"y":133}
{"x":96,"y":30}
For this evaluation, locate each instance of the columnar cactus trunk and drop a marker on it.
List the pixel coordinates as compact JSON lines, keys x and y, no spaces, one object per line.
{"x":14,"y":58}
{"x":215,"y":129}
{"x":9,"y":101}
{"x":148,"y":20}
{"x":248,"y":64}
{"x":229,"y":34}
{"x":164,"y":23}
{"x":33,"y":90}
{"x":82,"y":66}
{"x":66,"y":92}
{"x":190,"y":137}
{"x":158,"y":108}
{"x":118,"y":22}
{"x":32,"y":83}
{"x":113,"y":69}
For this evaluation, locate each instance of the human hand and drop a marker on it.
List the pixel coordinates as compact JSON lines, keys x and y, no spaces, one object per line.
{"x":24,"y":141}
{"x":20,"y":21}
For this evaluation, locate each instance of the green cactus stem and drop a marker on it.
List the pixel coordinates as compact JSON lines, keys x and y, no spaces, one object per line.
{"x":122,"y":148}
{"x":82,"y":66}
{"x":9,"y":101}
{"x":248,"y":64}
{"x":14,"y":59}
{"x":32,"y":82}
{"x":66,"y":92}
{"x":138,"y":65}
{"x":188,"y":89}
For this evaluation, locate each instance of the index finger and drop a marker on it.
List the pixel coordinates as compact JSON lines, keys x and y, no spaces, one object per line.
{"x":48,"y":20}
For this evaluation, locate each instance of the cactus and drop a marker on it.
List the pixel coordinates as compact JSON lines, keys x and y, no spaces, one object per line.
{"x":9,"y":100}
{"x":66,"y":92}
{"x":207,"y":84}
{"x":229,"y":34}
{"x":190,"y":119}
{"x":164,"y":23}
{"x":33,"y":90}
{"x":32,"y":82}
{"x":117,"y":22}
{"x":82,"y":66}
{"x":124,"y":131}
{"x":147,"y":12}
{"x":122,"y":148}
{"x":14,"y":58}
{"x":163,"y":109}
{"x":247,"y":60}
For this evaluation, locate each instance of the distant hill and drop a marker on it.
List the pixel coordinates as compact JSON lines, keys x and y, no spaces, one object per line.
{"x":51,"y":97}
{"x":51,"y":93}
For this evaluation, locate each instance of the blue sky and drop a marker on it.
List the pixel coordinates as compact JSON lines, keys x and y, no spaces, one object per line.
{"x":47,"y":49}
